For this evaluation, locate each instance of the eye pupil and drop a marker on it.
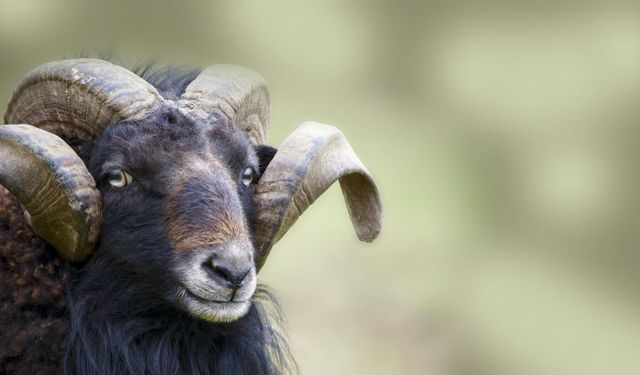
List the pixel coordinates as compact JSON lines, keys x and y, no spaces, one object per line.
{"x":247,"y":177}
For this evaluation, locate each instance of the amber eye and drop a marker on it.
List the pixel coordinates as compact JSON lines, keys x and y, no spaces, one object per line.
{"x":247,"y":177}
{"x":118,"y":178}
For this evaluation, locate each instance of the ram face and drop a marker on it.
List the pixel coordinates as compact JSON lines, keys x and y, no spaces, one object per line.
{"x":179,"y":194}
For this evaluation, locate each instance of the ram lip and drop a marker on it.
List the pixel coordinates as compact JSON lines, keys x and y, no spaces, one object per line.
{"x":217,"y":311}
{"x":203,"y":299}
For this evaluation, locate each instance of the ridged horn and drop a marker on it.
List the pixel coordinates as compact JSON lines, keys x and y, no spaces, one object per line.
{"x":310,"y":160}
{"x":75,"y":100}
{"x":54,"y":187}
{"x":78,"y":98}
{"x":236,"y":92}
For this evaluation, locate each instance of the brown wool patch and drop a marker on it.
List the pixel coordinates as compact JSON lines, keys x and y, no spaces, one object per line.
{"x":33,"y":309}
{"x":207,"y":227}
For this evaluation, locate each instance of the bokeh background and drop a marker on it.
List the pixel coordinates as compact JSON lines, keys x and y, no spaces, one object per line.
{"x":504,"y":137}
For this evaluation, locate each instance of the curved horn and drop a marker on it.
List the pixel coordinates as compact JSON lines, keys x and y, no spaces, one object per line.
{"x":239,"y":93}
{"x":312,"y":158}
{"x":78,"y":98}
{"x":73,"y":99}
{"x":61,"y":202}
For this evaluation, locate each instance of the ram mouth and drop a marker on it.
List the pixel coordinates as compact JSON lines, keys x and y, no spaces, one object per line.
{"x":212,"y":310}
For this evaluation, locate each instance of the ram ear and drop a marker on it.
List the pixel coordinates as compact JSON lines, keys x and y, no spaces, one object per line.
{"x":265,"y":155}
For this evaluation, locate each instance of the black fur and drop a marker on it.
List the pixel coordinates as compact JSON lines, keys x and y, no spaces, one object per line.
{"x":125,"y":336}
{"x":120,"y":304}
{"x":171,"y":82}
{"x":122,"y":316}
{"x":265,"y":154}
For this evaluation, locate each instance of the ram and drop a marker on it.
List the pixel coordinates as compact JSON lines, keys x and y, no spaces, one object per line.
{"x":139,"y":211}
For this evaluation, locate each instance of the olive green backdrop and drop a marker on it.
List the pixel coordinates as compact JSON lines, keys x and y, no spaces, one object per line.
{"x":504,"y":138}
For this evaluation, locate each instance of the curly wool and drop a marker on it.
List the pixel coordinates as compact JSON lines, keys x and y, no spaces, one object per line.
{"x":33,"y":309}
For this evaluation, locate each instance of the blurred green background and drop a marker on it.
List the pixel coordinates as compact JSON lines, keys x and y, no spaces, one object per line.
{"x":504,"y":137}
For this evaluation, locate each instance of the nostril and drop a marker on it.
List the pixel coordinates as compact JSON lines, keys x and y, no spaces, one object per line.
{"x":236,"y":279}
{"x":214,"y":272}
{"x":222,"y":271}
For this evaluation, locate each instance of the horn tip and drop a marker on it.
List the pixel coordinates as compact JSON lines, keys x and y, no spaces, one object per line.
{"x":369,"y":233}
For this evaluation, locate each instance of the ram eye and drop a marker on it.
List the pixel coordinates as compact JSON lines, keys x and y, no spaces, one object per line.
{"x":247,"y":176}
{"x":118,"y":178}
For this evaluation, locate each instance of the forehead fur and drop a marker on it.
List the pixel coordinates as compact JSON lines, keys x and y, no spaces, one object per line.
{"x":169,"y":138}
